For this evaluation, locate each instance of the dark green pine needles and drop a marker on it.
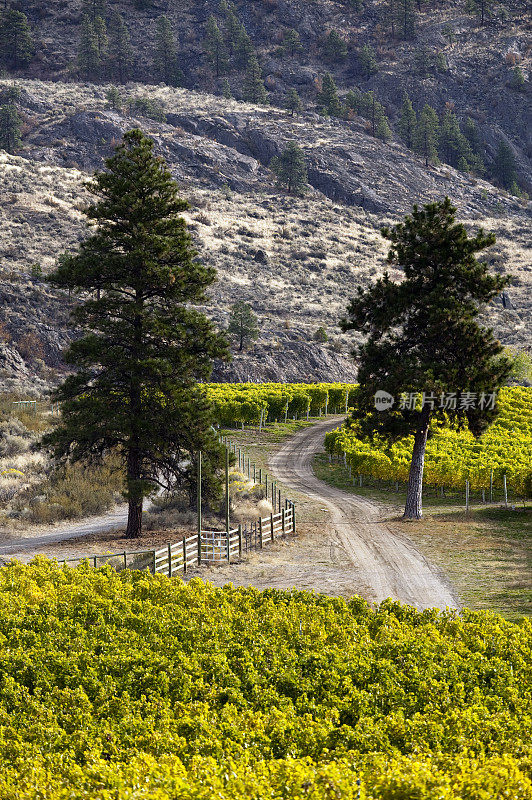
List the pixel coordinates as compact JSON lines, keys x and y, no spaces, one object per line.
{"x":145,"y":346}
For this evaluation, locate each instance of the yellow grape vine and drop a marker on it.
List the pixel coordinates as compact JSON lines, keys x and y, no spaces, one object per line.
{"x":453,"y":454}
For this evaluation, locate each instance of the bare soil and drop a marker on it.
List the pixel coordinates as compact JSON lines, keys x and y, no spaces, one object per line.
{"x":343,"y":546}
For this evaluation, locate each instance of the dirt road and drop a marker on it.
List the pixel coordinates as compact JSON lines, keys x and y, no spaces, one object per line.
{"x":38,"y":540}
{"x":386,"y":564}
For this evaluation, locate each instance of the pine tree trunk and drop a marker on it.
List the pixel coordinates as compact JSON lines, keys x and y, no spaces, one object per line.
{"x":135,"y":499}
{"x":414,"y":494}
{"x":134,"y":519}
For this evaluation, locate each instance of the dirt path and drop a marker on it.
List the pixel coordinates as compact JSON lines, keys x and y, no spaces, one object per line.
{"x":387,"y":564}
{"x":40,"y":538}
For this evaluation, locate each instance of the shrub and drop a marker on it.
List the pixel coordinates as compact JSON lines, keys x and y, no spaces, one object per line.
{"x":114,"y":681}
{"x":76,"y":490}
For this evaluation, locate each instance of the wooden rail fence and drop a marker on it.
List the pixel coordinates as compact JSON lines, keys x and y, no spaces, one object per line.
{"x":212,"y":547}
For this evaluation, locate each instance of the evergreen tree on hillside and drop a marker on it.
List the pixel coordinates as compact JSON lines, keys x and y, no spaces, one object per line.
{"x":375,"y":112}
{"x":291,"y":42}
{"x":226,"y":89}
{"x":427,"y":135}
{"x":291,"y":169}
{"x":353,"y":100}
{"x":215,"y":48}
{"x":120,"y":52}
{"x":367,"y":60}
{"x":472,"y":134}
{"x":504,"y":165}
{"x":102,"y":42}
{"x":407,"y":18}
{"x":454,"y":148}
{"x":335,"y":47}
{"x":114,"y":98}
{"x":293,"y":102}
{"x":244,"y":50}
{"x":145,"y":346}
{"x":390,"y":15}
{"x":407,"y":122}
{"x":254,"y":90}
{"x":518,"y":79}
{"x":243,"y":324}
{"x":422,"y":335}
{"x":165,"y":59}
{"x":94,"y":8}
{"x":16,"y":42}
{"x":483,"y":9}
{"x":328,"y":100}
{"x":232,"y":29}
{"x":88,"y":56}
{"x":381,"y":126}
{"x":10,"y":128}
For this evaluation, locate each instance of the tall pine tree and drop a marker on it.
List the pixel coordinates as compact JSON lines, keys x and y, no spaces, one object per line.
{"x":88,"y":55}
{"x":215,"y":48}
{"x":165,"y":59}
{"x":254,"y":89}
{"x":243,"y":324}
{"x":422,"y":334}
{"x":328,"y":100}
{"x":407,"y":122}
{"x":10,"y":128}
{"x":504,"y":165}
{"x":145,"y":346}
{"x":293,"y":102}
{"x":291,"y":169}
{"x":120,"y":52}
{"x":427,"y":134}
{"x":16,"y":42}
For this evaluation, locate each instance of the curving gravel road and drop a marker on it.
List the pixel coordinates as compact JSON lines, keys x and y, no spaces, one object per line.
{"x":111,"y":521}
{"x":388,"y":565}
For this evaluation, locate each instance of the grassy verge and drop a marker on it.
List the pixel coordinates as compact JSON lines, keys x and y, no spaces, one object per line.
{"x":487,"y":554}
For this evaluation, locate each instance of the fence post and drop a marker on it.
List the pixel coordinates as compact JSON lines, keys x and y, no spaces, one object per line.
{"x":293,"y":517}
{"x":254,"y":473}
{"x":260,"y":533}
{"x":240,"y":540}
{"x":260,"y":476}
{"x":266,"y":484}
{"x":283,"y":521}
{"x":505,"y":491}
{"x":198,"y":492}
{"x":467,"y":497}
{"x":154,"y":561}
{"x":125,"y":560}
{"x":280,"y":500}
{"x":227,"y":501}
{"x":170,"y":559}
{"x":184,"y":556}
{"x":95,"y":557}
{"x":491,"y":486}
{"x":271,"y":526}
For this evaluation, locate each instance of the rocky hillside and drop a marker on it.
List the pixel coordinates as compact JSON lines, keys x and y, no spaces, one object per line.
{"x":296,"y":260}
{"x":470,"y":56}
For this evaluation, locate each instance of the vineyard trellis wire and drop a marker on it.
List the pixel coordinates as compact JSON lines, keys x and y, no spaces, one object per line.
{"x":499,"y":461}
